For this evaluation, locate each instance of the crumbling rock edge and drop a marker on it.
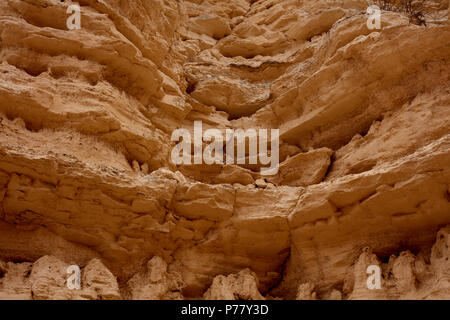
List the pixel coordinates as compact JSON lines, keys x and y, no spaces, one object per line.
{"x":404,"y":276}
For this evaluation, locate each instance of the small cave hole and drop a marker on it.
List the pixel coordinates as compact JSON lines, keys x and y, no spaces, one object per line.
{"x":191,"y":88}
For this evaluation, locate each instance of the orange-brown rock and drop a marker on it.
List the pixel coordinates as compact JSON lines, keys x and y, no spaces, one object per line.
{"x":241,"y":286}
{"x":87,"y":179}
{"x":48,"y":278}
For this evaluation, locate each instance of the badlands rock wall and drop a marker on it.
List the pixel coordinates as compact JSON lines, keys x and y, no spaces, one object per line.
{"x":86,"y":179}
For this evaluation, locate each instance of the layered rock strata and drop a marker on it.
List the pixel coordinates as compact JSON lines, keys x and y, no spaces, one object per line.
{"x":86,"y":177}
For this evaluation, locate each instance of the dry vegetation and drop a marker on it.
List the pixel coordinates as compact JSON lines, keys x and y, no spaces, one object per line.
{"x":413,"y":8}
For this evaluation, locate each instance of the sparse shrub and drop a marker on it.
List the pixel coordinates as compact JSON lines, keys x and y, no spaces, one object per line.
{"x":412,"y":8}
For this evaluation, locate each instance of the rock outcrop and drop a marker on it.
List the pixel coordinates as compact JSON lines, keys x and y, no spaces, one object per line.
{"x":241,"y":286}
{"x":48,"y":279}
{"x":87,"y":179}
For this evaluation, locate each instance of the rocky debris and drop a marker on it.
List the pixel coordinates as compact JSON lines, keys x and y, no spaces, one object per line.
{"x":99,"y":283}
{"x":360,"y":280}
{"x":334,"y":295}
{"x":48,"y":277}
{"x":306,"y":292}
{"x":261,"y":183}
{"x":404,"y":276}
{"x":156,"y":282}
{"x":14,"y":281}
{"x":240,"y":286}
{"x":440,"y":264}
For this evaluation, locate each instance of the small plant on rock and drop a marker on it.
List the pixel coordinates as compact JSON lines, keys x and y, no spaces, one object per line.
{"x":412,"y":8}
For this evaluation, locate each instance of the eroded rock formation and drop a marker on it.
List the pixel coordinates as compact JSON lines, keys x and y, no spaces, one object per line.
{"x":86,"y":177}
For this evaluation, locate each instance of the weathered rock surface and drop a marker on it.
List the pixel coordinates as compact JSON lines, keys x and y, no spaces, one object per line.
{"x":156,"y":282}
{"x":48,"y":278}
{"x":241,"y":286}
{"x":86,"y":179}
{"x":406,"y":276}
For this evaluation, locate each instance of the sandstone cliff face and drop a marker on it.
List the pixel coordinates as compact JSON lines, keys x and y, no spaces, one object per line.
{"x":86,"y":178}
